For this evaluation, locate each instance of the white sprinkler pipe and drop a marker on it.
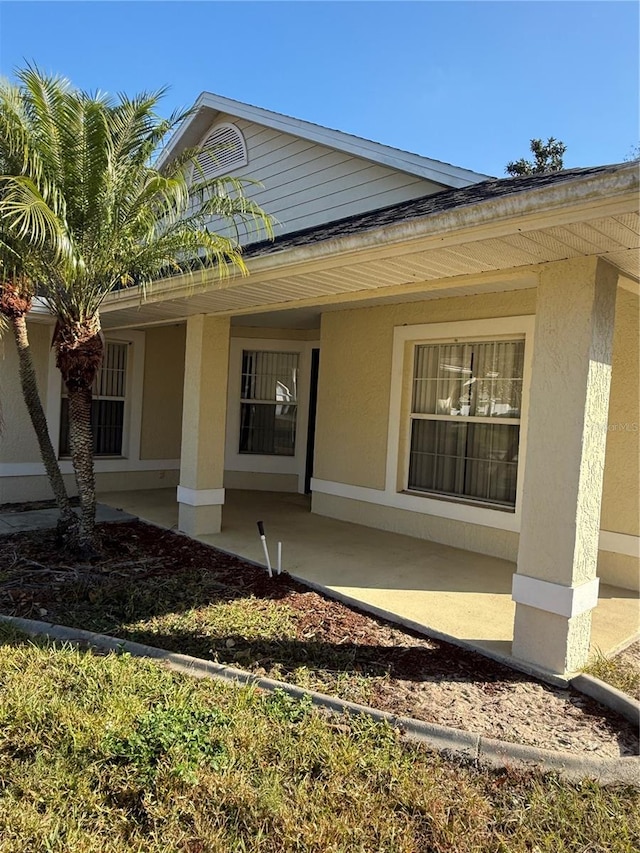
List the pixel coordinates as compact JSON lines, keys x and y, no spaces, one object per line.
{"x":264,"y":546}
{"x":279,"y":558}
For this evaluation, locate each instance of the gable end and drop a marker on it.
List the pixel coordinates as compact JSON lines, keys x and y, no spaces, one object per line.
{"x":225,"y":151}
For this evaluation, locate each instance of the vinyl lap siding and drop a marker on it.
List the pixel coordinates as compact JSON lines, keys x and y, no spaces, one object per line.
{"x":306,"y":184}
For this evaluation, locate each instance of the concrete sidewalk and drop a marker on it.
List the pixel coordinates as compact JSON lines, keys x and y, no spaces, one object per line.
{"x":44,"y":519}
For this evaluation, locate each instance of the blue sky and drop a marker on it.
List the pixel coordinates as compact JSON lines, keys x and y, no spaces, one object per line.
{"x":465,"y":82}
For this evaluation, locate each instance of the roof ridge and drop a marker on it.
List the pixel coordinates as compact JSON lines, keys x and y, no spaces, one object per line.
{"x":419,"y":165}
{"x":344,"y":133}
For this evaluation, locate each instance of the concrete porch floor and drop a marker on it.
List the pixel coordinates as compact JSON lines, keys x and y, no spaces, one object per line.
{"x":443,"y":591}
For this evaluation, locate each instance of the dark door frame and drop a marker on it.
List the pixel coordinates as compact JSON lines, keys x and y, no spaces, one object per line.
{"x":311,"y":426}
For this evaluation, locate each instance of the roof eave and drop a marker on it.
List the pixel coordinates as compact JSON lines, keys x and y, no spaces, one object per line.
{"x":611,"y":193}
{"x":591,"y":196}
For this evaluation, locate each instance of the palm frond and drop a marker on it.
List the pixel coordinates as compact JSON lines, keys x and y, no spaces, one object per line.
{"x":26,"y":214}
{"x":44,"y":105}
{"x":81,"y":192}
{"x":19,"y":149}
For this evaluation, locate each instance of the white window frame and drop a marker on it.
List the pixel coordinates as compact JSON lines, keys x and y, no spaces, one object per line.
{"x":268,"y":463}
{"x":406,"y":338}
{"x":124,"y":398}
{"x":393,"y":495}
{"x":485,"y":420}
{"x":272,"y":403}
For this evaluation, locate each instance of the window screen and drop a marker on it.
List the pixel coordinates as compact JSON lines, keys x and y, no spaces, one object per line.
{"x":465,"y":419}
{"x":269,"y":402}
{"x":107,"y":406}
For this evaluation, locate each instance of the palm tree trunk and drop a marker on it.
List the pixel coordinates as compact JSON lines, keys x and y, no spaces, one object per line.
{"x":79,"y":347}
{"x":81,"y":441}
{"x":32,"y":400}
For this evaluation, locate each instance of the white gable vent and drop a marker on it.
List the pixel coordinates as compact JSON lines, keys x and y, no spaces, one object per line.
{"x":226,"y":151}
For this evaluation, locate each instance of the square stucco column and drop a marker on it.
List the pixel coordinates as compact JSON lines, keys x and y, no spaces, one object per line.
{"x":204,"y":414}
{"x":555,"y":587}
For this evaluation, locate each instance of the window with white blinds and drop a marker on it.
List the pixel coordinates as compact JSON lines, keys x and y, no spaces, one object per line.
{"x":107,"y":406}
{"x":465,"y":420}
{"x":268,"y":402}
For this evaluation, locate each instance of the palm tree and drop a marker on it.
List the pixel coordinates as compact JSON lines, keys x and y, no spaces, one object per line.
{"x":99,"y":215}
{"x":15,"y":303}
{"x":16,"y":297}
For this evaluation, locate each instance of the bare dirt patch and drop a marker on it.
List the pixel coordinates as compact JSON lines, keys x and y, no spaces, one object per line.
{"x":163,"y":589}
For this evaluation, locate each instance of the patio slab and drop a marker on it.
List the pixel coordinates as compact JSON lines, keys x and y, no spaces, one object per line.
{"x":443,"y":591}
{"x":43,"y":519}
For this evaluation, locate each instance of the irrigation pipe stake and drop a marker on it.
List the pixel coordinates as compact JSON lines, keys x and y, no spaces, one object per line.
{"x":263,"y":538}
{"x":279,"y":567}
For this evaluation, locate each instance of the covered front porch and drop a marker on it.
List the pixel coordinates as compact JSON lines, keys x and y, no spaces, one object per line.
{"x":311,"y":373}
{"x":446,"y":592}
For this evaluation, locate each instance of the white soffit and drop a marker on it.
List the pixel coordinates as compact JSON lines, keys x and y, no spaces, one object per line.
{"x":297,"y":314}
{"x":427,"y":271}
{"x":595,"y":215}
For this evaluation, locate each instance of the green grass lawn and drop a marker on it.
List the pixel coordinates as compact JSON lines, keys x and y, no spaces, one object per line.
{"x":620,"y":672}
{"x":112,"y":754}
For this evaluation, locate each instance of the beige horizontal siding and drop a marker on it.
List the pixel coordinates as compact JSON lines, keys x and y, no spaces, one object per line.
{"x":305,"y":184}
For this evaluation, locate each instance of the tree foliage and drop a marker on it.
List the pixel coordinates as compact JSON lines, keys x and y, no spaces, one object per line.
{"x":547,"y":157}
{"x":634,"y":154}
{"x":17,"y":273}
{"x":93,"y":212}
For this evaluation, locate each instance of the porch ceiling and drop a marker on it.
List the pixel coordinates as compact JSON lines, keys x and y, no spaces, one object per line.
{"x":468,"y":251}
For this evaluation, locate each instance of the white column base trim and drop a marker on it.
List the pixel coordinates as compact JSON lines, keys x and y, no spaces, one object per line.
{"x":200,"y":497}
{"x":619,"y":543}
{"x":555,"y":598}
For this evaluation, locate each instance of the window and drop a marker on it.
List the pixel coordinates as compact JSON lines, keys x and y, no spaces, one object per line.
{"x":269,"y":402}
{"x":465,"y":420}
{"x":107,"y":407}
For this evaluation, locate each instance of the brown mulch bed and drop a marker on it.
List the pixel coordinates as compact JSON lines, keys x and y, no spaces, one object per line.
{"x":158,"y":587}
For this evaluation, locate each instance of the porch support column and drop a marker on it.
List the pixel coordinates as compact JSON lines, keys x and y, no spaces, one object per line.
{"x":204,"y":413}
{"x":555,"y":587}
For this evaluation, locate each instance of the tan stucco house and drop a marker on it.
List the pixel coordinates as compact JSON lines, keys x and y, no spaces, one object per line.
{"x":422,"y":348}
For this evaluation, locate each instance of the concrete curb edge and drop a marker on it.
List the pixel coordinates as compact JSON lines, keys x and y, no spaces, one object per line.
{"x":472,"y":747}
{"x":626,"y":706}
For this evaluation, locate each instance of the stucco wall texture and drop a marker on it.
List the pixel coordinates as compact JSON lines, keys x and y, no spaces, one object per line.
{"x":568,"y":406}
{"x":355,"y":383}
{"x":162,"y":396}
{"x":17,"y":439}
{"x":355,"y":377}
{"x":207,"y":369}
{"x":621,"y":488}
{"x":353,"y":407}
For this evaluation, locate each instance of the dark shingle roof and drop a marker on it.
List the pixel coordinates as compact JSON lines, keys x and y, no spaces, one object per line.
{"x":420,"y":207}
